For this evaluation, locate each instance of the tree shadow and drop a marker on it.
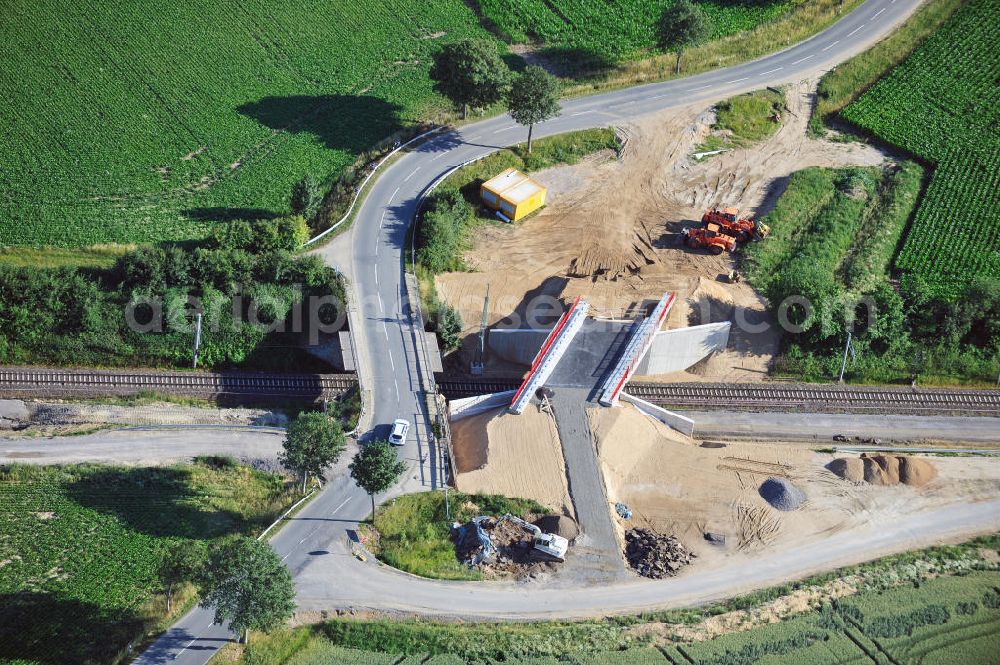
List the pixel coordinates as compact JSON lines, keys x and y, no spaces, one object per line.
{"x":52,"y":630}
{"x":572,"y":61}
{"x":342,"y":122}
{"x":158,"y":501}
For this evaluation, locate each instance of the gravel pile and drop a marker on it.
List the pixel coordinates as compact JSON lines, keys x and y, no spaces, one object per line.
{"x":781,"y":494}
{"x":654,"y":555}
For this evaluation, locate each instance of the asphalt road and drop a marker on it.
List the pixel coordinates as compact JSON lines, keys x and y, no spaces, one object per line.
{"x":144,"y":445}
{"x":821,"y":427}
{"x":314,"y":544}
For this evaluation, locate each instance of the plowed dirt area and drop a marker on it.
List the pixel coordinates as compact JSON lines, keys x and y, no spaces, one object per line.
{"x":611,"y":231}
{"x":500,"y":453}
{"x":683,"y":487}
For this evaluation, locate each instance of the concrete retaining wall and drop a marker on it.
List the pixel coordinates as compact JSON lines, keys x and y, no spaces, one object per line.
{"x":676,"y":350}
{"x":471,"y":406}
{"x":682,"y":424}
{"x":516,"y":346}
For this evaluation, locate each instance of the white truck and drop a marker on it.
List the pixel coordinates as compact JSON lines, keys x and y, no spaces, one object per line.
{"x":550,"y":544}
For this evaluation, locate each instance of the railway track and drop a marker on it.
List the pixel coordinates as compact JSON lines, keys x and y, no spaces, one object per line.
{"x":790,"y":397}
{"x":17,"y":381}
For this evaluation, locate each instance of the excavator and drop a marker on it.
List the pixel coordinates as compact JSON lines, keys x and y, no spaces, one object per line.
{"x":550,"y":544}
{"x":729,"y":222}
{"x":710,"y":238}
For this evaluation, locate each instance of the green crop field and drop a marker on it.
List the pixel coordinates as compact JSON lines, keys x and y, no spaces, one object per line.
{"x":843,"y":632}
{"x":612,"y":31}
{"x":943,"y":105}
{"x":140,"y":121}
{"x":79,"y":548}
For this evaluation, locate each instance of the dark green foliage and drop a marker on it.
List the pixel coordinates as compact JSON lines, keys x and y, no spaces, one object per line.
{"x":182,"y":564}
{"x":376,"y":468}
{"x":755,"y":651}
{"x":306,"y":197}
{"x":470,"y":73}
{"x":683,"y":24}
{"x":247,"y":585}
{"x":449,"y":326}
{"x":834,"y":233}
{"x":313,"y":442}
{"x":442,"y":231}
{"x":534,"y":97}
{"x":905,"y":624}
{"x":966,"y":608}
{"x":991,"y":599}
{"x":246,"y":273}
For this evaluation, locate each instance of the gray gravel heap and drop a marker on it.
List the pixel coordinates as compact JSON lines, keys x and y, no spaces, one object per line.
{"x":781,"y":494}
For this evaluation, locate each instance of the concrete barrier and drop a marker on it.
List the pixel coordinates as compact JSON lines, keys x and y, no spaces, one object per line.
{"x":471,"y":406}
{"x":676,"y":350}
{"x":676,"y":421}
{"x":516,"y":345}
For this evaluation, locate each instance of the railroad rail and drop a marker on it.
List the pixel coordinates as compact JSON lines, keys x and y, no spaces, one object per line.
{"x":32,"y":381}
{"x":784,"y":396}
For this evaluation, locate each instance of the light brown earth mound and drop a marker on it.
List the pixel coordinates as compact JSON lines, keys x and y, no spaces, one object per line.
{"x":676,"y":486}
{"x":884,"y":470}
{"x":610,"y":231}
{"x":500,"y":453}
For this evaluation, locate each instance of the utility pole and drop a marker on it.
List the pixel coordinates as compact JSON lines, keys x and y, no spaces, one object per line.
{"x":197,"y":340}
{"x":479,"y":358}
{"x":843,"y":364}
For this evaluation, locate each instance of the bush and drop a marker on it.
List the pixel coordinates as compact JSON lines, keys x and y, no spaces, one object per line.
{"x":442,"y":231}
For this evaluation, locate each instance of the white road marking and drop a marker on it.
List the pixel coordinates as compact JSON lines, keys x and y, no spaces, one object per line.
{"x":341,"y":505}
{"x":875,"y":15}
{"x":439,"y":155}
{"x":699,"y":88}
{"x":771,"y":71}
{"x":580,"y":113}
{"x":412,"y":174}
{"x":830,"y":45}
{"x":376,"y":276}
{"x":659,"y":96}
{"x":381,"y":220}
{"x":385,"y":329}
{"x":737,"y":80}
{"x":503,"y":129}
{"x":474,"y":138}
{"x":802,"y":59}
{"x":852,"y":32}
{"x":394,"y":195}
{"x":381,"y":309}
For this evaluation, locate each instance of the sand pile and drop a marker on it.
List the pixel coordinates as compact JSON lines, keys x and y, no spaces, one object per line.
{"x":781,"y":494}
{"x":884,"y":470}
{"x":561,"y":525}
{"x":654,"y":555}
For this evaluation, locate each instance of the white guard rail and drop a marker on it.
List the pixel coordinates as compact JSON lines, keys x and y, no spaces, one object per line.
{"x":552,"y":350}
{"x":637,"y":347}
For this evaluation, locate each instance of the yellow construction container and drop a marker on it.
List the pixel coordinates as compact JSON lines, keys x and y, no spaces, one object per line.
{"x":513,"y":194}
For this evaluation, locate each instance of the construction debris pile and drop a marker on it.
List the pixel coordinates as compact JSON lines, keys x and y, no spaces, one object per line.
{"x":781,"y":494}
{"x":502,"y":548}
{"x":654,"y":555}
{"x":884,"y":469}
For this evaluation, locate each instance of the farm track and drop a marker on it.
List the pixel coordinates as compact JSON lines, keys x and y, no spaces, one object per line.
{"x":786,"y":397}
{"x":83,"y":383}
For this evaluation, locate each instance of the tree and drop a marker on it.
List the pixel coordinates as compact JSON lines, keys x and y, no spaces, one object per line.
{"x":306,"y":197}
{"x":313,"y":442}
{"x":449,"y":326}
{"x":376,"y":468}
{"x":534,"y":97}
{"x":249,"y":586}
{"x":182,"y":564}
{"x":683,"y":24}
{"x":470,"y":73}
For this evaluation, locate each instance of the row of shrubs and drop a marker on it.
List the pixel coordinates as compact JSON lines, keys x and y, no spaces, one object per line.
{"x":246,"y":273}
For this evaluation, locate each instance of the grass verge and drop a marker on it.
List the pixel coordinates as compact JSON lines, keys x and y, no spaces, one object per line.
{"x":413,"y":534}
{"x":80,"y":546}
{"x":848,"y":81}
{"x":745,"y":120}
{"x":961,"y":578}
{"x":95,"y":256}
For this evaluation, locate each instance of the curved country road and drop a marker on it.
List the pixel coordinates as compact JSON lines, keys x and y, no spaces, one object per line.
{"x":315,"y":543}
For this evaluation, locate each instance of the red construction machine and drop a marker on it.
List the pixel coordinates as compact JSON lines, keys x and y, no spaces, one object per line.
{"x":710,"y":238}
{"x":729,"y":222}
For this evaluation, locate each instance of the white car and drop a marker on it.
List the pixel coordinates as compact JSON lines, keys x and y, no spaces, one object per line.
{"x":400,"y":428}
